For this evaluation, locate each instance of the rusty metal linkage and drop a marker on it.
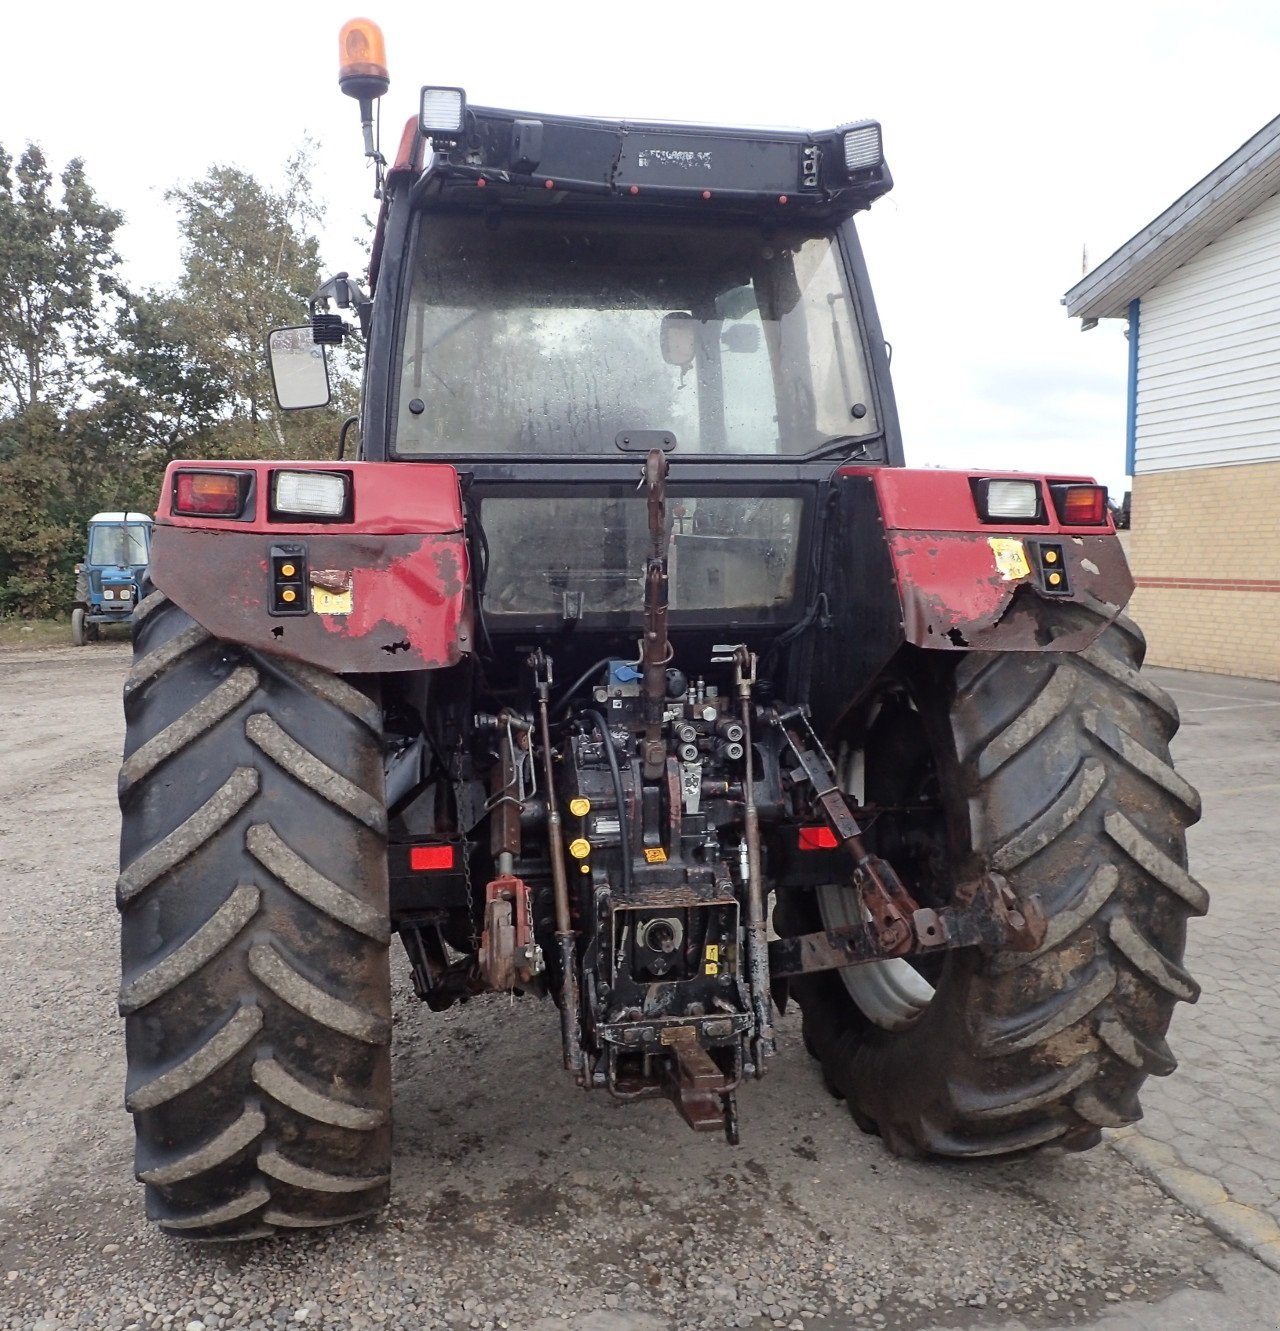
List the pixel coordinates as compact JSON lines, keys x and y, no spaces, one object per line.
{"x":509,"y":956}
{"x":992,"y":918}
{"x":984,"y":912}
{"x":697,"y":1087}
{"x":566,"y":939}
{"x":744,"y":674}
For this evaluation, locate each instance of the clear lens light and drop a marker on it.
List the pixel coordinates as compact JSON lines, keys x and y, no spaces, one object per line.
{"x":314,"y":492}
{"x":442,"y":110}
{"x":862,"y":147}
{"x":1012,"y":499}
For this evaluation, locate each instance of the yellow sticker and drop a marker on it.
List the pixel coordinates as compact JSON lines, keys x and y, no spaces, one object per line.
{"x":655,"y":855}
{"x":711,"y":968}
{"x":713,"y":952}
{"x":1011,"y":557}
{"x":325,"y":602}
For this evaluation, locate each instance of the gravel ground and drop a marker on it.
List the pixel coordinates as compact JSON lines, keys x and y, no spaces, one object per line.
{"x":519,"y":1201}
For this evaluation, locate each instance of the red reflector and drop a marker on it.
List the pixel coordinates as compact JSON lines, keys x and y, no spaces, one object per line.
{"x":817,"y":838}
{"x":214,"y":492}
{"x":423,"y":859}
{"x":1083,"y":504}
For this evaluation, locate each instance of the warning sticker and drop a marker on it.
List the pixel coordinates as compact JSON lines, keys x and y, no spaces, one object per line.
{"x":655,"y":855}
{"x":326,"y":602}
{"x":1011,"y":557}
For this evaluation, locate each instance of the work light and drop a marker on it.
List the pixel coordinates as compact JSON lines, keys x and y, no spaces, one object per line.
{"x":318,"y":494}
{"x":863,"y":149}
{"x":443,"y":113}
{"x":1008,"y":501}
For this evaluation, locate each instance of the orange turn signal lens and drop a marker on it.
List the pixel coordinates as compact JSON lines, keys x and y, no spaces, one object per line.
{"x":362,"y":59}
{"x":209,"y":493}
{"x":1080,"y":505}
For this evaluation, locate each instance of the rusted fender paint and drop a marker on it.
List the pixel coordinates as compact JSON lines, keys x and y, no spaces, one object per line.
{"x":956,"y":592}
{"x":409,"y":603}
{"x":387,"y":587}
{"x":955,"y":597}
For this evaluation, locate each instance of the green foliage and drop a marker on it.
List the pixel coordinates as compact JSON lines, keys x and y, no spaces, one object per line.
{"x":101,"y":388}
{"x":57,"y":280}
{"x":40,"y":512}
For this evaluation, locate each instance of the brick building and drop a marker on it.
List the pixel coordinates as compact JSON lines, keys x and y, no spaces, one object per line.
{"x":1200,"y":288}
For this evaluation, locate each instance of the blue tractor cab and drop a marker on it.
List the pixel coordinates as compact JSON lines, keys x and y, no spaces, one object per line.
{"x":116,"y":555}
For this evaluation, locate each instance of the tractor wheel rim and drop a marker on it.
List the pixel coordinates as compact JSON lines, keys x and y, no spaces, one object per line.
{"x":892,"y":994}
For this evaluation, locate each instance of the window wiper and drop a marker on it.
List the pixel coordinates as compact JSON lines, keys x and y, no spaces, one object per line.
{"x":867,"y":450}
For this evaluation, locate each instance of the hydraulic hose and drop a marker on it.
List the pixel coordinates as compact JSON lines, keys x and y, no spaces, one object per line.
{"x":562,"y":703}
{"x":624,"y":826}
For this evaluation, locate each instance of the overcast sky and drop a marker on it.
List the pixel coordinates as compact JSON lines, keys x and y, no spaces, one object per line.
{"x":1018,"y":134}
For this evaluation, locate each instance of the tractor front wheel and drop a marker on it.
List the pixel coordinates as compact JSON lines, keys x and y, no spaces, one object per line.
{"x":253,"y":891}
{"x":1052,"y":769}
{"x":78,"y":627}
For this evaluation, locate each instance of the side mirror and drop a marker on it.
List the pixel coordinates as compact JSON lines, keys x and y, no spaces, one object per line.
{"x":678,"y":337}
{"x":299,"y":370}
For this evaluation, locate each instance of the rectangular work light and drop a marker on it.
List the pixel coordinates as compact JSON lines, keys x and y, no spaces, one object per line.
{"x":311,"y":494}
{"x":1008,"y":501}
{"x":863,"y":149}
{"x":443,"y":113}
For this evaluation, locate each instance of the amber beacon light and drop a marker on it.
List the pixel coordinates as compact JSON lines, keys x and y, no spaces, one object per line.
{"x":362,"y":60}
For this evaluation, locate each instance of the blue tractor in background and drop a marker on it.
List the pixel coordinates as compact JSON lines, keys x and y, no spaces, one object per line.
{"x":116,"y":556}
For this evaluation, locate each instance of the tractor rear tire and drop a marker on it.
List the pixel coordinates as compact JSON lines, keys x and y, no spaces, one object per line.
{"x":1053,"y":769}
{"x":77,"y":627}
{"x":253,"y":892}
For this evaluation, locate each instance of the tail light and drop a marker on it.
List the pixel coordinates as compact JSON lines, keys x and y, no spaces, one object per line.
{"x":218,"y":494}
{"x":1080,"y":505}
{"x":430,"y":859}
{"x":816,"y":838}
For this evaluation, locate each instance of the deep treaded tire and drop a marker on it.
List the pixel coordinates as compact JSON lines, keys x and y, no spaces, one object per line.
{"x":253,"y":891}
{"x":1055,"y":772}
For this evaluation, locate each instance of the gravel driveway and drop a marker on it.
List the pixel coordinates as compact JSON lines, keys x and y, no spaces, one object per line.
{"x":519,"y":1201}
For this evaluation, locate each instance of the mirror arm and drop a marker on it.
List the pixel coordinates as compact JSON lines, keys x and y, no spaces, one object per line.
{"x":346,"y":294}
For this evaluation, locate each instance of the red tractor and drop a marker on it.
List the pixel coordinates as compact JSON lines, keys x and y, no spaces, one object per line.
{"x":625,"y":636}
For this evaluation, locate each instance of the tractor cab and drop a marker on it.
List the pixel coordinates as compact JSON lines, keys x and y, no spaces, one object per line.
{"x":116,"y":554}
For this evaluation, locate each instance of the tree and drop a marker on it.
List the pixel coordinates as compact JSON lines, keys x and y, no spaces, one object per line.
{"x":250,"y":264}
{"x":57,"y":280}
{"x":158,"y":392}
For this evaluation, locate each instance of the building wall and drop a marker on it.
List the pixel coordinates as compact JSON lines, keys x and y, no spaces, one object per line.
{"x":1204,"y":545}
{"x":1208,"y":391}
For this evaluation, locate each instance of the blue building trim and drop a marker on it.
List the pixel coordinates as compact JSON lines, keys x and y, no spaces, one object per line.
{"x":1131,"y":406}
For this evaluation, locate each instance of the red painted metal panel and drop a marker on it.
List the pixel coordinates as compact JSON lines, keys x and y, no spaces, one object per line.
{"x":403,"y":601}
{"x":964,"y":584}
{"x":387,"y":590}
{"x":390,"y":498}
{"x":955,"y":594}
{"x":925,"y":499}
